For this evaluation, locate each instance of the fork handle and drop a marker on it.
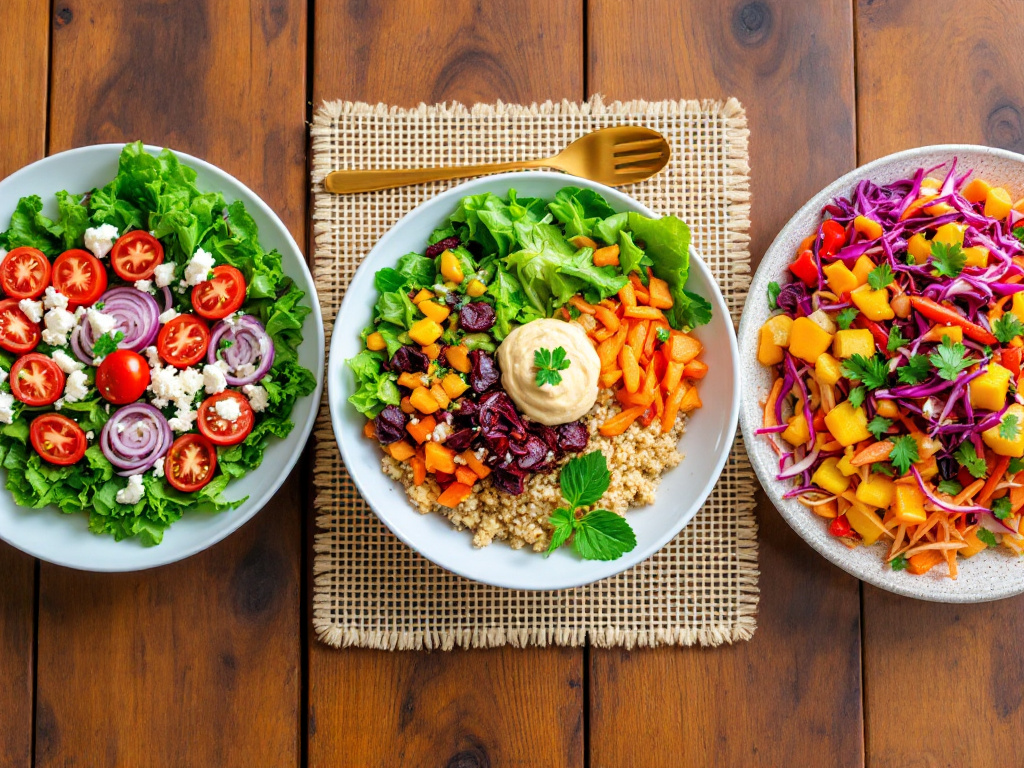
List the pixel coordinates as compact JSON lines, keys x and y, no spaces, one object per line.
{"x":348,"y":182}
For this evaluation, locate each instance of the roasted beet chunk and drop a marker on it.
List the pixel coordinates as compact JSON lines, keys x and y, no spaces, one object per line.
{"x":442,"y":245}
{"x":484,"y":374}
{"x":547,"y":434}
{"x":460,"y":440}
{"x":535,"y":452}
{"x":408,"y":359}
{"x":390,"y":425}
{"x":476,"y":317}
{"x":509,"y":481}
{"x":572,"y":437}
{"x":467,"y":411}
{"x":498,"y":415}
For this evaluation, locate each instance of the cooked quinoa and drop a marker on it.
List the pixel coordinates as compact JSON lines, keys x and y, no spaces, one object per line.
{"x":636,"y":459}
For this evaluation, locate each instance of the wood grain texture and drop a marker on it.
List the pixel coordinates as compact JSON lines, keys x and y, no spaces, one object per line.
{"x":24,"y":54}
{"x":495,"y":707}
{"x":792,"y":695}
{"x":196,"y":663}
{"x":976,"y":96}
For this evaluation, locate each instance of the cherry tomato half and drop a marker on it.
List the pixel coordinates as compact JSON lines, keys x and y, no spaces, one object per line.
{"x":220,"y":430}
{"x":18,"y":334}
{"x":57,"y":439}
{"x":221,"y":295}
{"x":136,"y":255}
{"x":80,"y":276}
{"x":24,"y":273}
{"x":122,"y":377}
{"x":183,"y":341}
{"x":36,"y":379}
{"x":190,"y":463}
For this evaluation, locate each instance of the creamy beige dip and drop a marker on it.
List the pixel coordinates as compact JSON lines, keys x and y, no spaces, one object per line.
{"x":550,"y":404}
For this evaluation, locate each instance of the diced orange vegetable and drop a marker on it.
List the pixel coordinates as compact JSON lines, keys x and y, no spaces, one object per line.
{"x":695,"y":369}
{"x":439,"y":458}
{"x":620,"y":422}
{"x":608,"y":379}
{"x":411,"y":380}
{"x":682,"y":348}
{"x":828,"y":510}
{"x":642,"y":294}
{"x":637,"y":335}
{"x":401,"y":451}
{"x":458,"y":358}
{"x":465,"y":475}
{"x":479,"y":468}
{"x":607,"y":257}
{"x":453,"y":385}
{"x":627,"y":295}
{"x":419,"y":470}
{"x":608,"y":350}
{"x":432,"y":351}
{"x":422,"y":400}
{"x":923,"y":562}
{"x":454,"y":494}
{"x":652,"y":338}
{"x":630,"y":368}
{"x":370,"y":429}
{"x":434,"y":311}
{"x":659,"y":402}
{"x":582,"y":241}
{"x":691,"y":401}
{"x":645,"y":313}
{"x":439,"y":394}
{"x":607,"y":318}
{"x":673,"y":373}
{"x":375,"y":342}
{"x":672,"y":403}
{"x":421,"y":430}
{"x":423,"y":295}
{"x":450,"y":267}
{"x":407,"y":406}
{"x":661,"y":297}
{"x":603,"y":333}
{"x":806,"y":243}
{"x":582,"y":306}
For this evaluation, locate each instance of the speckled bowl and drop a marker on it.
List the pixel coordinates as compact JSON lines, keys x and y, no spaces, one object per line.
{"x":989,"y":575}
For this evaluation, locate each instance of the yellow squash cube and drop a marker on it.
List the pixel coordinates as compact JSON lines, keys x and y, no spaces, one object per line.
{"x":920,"y":247}
{"x":797,"y":432}
{"x":861,"y":268}
{"x":909,"y":504}
{"x":977,"y":256}
{"x":425,"y":331}
{"x":827,"y":369}
{"x":874,"y":304}
{"x":807,"y":339}
{"x":988,"y":391}
{"x":865,"y":522}
{"x":853,"y":341}
{"x":876,"y":491}
{"x":829,"y":478}
{"x":840,"y":279}
{"x":950,"y":234}
{"x":847,"y":424}
{"x":870,"y":228}
{"x":998,"y":203}
{"x":1004,"y":446}
{"x":774,"y":338}
{"x":976,"y":191}
{"x":887,"y":409}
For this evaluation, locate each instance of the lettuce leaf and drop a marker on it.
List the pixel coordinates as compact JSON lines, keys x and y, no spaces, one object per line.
{"x":579,"y":210}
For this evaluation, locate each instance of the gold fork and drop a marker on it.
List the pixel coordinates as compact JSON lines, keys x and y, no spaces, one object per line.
{"x":623,"y":154}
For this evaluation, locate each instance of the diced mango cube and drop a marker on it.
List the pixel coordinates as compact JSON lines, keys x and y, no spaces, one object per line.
{"x":853,"y":341}
{"x":423,"y":401}
{"x":422,"y":295}
{"x":876,"y":491}
{"x":1007,"y":446}
{"x":977,"y":256}
{"x":434,"y":311}
{"x":845,"y":464}
{"x":870,"y":228}
{"x":375,"y":342}
{"x":862,"y":268}
{"x":840,"y":278}
{"x":920,"y":247}
{"x":807,"y":339}
{"x":976,"y":191}
{"x":847,"y":424}
{"x":988,"y":391}
{"x":829,"y":478}
{"x":775,"y":334}
{"x":865,"y":522}
{"x":475,"y":288}
{"x":827,"y":369}
{"x":939,"y":209}
{"x":874,"y":304}
{"x":450,"y":268}
{"x":928,"y":468}
{"x":974,"y":544}
{"x":952,"y":332}
{"x":950,"y":234}
{"x":425,"y":331}
{"x":998,"y":203}
{"x":797,"y":433}
{"x":454,"y":385}
{"x":908,"y":504}
{"x":887,"y":409}
{"x":1017,"y":307}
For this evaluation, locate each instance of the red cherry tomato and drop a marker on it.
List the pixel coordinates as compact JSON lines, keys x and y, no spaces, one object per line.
{"x":190,"y":463}
{"x":80,"y":276}
{"x":840,"y":526}
{"x":57,"y":439}
{"x":183,"y":341}
{"x":18,"y":334}
{"x":219,"y":430}
{"x":24,"y":273}
{"x":136,"y":255}
{"x":36,"y":380}
{"x":122,"y":377}
{"x":221,"y":295}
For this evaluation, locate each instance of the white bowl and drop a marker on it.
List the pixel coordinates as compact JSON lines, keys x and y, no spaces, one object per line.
{"x":65,"y":539}
{"x":683,"y":489}
{"x":989,"y":575}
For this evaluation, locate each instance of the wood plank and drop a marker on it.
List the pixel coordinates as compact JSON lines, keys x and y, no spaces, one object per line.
{"x":975,"y":96}
{"x":24,"y":45}
{"x":197,"y":663}
{"x":791,"y":64}
{"x":486,"y":707}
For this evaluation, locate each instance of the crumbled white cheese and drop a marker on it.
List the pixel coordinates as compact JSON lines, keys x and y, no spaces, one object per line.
{"x":100,"y":321}
{"x":66,"y":362}
{"x":213,"y":378}
{"x":6,"y":407}
{"x":100,"y":239}
{"x":413,"y":420}
{"x":458,"y":459}
{"x":90,"y":435}
{"x":33,"y":309}
{"x":76,"y":388}
{"x":257,"y":397}
{"x":97,"y":361}
{"x":133,"y":493}
{"x":3,"y":375}
{"x":228,"y":409}
{"x":198,"y":268}
{"x":247,"y":370}
{"x":183,"y":420}
{"x":152,"y":357}
{"x":158,"y":468}
{"x":144,"y":285}
{"x":54,"y":299}
{"x":165,"y":386}
{"x":59,"y":323}
{"x":166,"y":317}
{"x":480,"y":453}
{"x":441,"y":432}
{"x":191,"y":381}
{"x":59,"y":404}
{"x":163,"y":274}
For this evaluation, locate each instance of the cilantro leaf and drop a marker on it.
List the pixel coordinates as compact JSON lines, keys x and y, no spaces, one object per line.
{"x":1002,"y":509}
{"x":878,"y":426}
{"x":846,"y":317}
{"x":584,"y":479}
{"x":1007,"y":328}
{"x":774,"y":289}
{"x":950,"y":359}
{"x":948,"y":259}
{"x":663,"y":334}
{"x":880,"y":276}
{"x":968,"y":458}
{"x":107,"y":343}
{"x":898,"y":563}
{"x":880,"y":468}
{"x":872,"y":372}
{"x":986,"y":536}
{"x":904,"y":453}
{"x":1008,"y":427}
{"x":915,"y":371}
{"x":603,"y":535}
{"x":562,"y":519}
{"x":548,"y":365}
{"x":896,"y":339}
{"x":856,"y":396}
{"x":1016,"y":465}
{"x":950,"y":487}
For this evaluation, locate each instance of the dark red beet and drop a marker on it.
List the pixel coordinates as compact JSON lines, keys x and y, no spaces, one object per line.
{"x":535,"y":453}
{"x":545,"y":433}
{"x":390,"y":425}
{"x":498,"y":446}
{"x":508,"y":481}
{"x":573,"y":437}
{"x":408,"y":359}
{"x":484,"y":373}
{"x":498,"y":414}
{"x":454,"y":300}
{"x":467,"y":410}
{"x":476,"y":316}
{"x":442,"y":245}
{"x":460,"y":440}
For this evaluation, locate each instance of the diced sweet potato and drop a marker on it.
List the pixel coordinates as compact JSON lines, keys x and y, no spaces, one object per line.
{"x":454,"y":495}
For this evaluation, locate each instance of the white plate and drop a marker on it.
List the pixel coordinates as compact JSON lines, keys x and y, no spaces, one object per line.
{"x":683,"y":489}
{"x":989,"y":575}
{"x":65,"y":539}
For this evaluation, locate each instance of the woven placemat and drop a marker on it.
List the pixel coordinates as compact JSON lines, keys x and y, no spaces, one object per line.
{"x":373,"y":591}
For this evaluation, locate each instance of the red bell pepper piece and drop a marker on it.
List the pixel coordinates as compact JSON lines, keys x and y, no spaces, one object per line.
{"x":942,"y":314}
{"x":840,"y":526}
{"x":1011,"y":360}
{"x":833,"y":237}
{"x":805,"y":268}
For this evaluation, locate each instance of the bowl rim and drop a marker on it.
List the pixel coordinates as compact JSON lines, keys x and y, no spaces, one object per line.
{"x":338,"y":402}
{"x":768,"y":481}
{"x":300,"y":433}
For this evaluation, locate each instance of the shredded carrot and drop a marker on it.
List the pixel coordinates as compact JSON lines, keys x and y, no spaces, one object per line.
{"x":582,"y":306}
{"x":998,"y":470}
{"x":769,"y":406}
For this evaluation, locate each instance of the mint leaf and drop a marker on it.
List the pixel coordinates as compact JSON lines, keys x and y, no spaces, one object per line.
{"x":562,"y":519}
{"x":915,"y":371}
{"x":584,"y":479}
{"x":898,"y":563}
{"x":948,"y":260}
{"x":968,"y":458}
{"x":774,"y":289}
{"x":949,"y":487}
{"x":904,"y":453}
{"x":548,"y":365}
{"x":878,"y":426}
{"x":107,"y":343}
{"x":986,"y":536}
{"x":1001,"y":508}
{"x":1007,"y":328}
{"x":603,"y":535}
{"x":845,"y":318}
{"x":881,"y":276}
{"x":950,"y":359}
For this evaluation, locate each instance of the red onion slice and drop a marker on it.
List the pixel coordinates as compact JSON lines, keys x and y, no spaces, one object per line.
{"x":134,"y":437}
{"x":136,"y":315}
{"x":250,"y":345}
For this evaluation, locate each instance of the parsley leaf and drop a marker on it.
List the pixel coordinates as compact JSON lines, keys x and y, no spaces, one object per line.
{"x":915,"y":371}
{"x":950,"y":359}
{"x":986,"y":536}
{"x":880,"y":276}
{"x":950,"y":487}
{"x":856,"y":396}
{"x":1008,"y":427}
{"x":585,"y":479}
{"x":774,"y":289}
{"x":573,"y":312}
{"x":878,"y":426}
{"x":107,"y":343}
{"x":1007,"y":327}
{"x":603,"y":535}
{"x":896,"y":339}
{"x":1016,"y":465}
{"x":948,"y":259}
{"x":898,"y":563}
{"x":1002,"y":509}
{"x":968,"y":458}
{"x":904,"y":453}
{"x":548,"y":365}
{"x":1018,"y":232}
{"x":846,"y":317}
{"x":872,"y":372}
{"x":664,"y":334}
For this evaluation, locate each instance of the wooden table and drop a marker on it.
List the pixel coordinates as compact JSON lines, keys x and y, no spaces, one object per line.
{"x":211,"y":662}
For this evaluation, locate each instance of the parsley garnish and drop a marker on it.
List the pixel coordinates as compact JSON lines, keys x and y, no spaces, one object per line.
{"x":573,"y":312}
{"x":664,"y":334}
{"x":950,"y":359}
{"x":878,"y":426}
{"x":1018,"y":232}
{"x":856,"y":396}
{"x":225,"y":343}
{"x":896,"y":339}
{"x":950,"y":487}
{"x":107,"y":343}
{"x":880,"y":276}
{"x":986,"y":536}
{"x":948,"y":259}
{"x":548,"y":365}
{"x":1001,"y":508}
{"x":774,"y":289}
{"x":904,"y":453}
{"x":846,"y":317}
{"x":1008,"y":427}
{"x":872,"y":372}
{"x":968,"y":458}
{"x":898,"y":563}
{"x":599,"y":534}
{"x":915,"y":371}
{"x":1007,"y":328}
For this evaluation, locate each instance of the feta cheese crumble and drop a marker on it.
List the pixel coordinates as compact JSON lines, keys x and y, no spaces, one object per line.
{"x":59,"y":323}
{"x":76,"y":388}
{"x":257,"y":397}
{"x":66,"y":362}
{"x":183,"y":420}
{"x":163,"y":274}
{"x":158,"y":468}
{"x":133,"y":493}
{"x":100,"y":239}
{"x":228,"y":409}
{"x":152,"y":357}
{"x":198,"y":268}
{"x":166,"y":317}
{"x":33,"y":309}
{"x":101,"y":322}
{"x":6,"y":407}
{"x":213,"y":378}
{"x":144,"y":285}
{"x":54,"y":299}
